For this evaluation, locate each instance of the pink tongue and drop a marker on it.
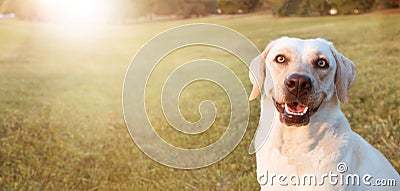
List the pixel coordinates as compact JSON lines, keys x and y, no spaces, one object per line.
{"x":297,"y":108}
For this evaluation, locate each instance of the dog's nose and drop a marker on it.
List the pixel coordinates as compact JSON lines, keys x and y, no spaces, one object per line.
{"x":298,"y":84}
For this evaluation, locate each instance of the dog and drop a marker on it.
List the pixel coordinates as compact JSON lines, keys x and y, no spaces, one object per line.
{"x":311,"y":145}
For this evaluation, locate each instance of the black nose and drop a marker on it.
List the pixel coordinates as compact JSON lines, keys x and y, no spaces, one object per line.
{"x":298,"y":84}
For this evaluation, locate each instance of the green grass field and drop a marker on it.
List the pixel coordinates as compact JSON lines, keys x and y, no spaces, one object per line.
{"x":61,"y":121}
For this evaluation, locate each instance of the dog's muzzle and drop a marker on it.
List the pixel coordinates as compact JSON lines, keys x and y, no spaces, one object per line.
{"x":295,"y":111}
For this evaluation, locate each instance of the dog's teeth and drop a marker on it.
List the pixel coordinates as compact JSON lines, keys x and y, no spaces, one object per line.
{"x":286,"y":108}
{"x":305,"y":110}
{"x":293,"y":113}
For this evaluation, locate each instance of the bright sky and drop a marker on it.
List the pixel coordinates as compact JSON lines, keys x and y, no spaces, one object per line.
{"x":76,"y":11}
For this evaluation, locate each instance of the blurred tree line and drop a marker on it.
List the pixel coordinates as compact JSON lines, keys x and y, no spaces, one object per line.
{"x":188,"y":8}
{"x":323,"y":7}
{"x":125,"y":9}
{"x":128,"y":9}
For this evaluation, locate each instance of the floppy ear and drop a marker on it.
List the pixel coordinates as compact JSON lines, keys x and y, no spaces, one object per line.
{"x":345,"y":75}
{"x":257,"y":75}
{"x":257,"y":72}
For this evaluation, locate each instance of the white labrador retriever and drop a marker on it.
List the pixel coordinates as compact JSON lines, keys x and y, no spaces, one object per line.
{"x":311,"y":145}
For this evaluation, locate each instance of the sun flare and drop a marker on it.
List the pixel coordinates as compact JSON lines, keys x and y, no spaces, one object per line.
{"x":75,"y":11}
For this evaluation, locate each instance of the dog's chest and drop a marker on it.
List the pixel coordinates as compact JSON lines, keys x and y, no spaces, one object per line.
{"x":301,"y":158}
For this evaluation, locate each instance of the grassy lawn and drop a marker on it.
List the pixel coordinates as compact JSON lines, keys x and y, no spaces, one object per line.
{"x":61,"y":121}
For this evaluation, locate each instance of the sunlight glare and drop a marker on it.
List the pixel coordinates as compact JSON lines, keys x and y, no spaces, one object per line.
{"x":76,"y":11}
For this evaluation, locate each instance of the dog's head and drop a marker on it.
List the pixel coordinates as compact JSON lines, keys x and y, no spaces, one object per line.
{"x":304,"y":74}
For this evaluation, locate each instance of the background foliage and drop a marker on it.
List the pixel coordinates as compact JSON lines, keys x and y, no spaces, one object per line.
{"x":128,"y":9}
{"x":322,"y":7}
{"x":61,"y":121}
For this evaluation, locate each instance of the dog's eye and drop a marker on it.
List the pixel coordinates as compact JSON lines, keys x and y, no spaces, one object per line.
{"x":280,"y":59}
{"x":321,"y":63}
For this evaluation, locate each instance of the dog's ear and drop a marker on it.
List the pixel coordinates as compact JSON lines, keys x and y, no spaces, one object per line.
{"x":345,"y":75}
{"x":257,"y":72}
{"x":257,"y":75}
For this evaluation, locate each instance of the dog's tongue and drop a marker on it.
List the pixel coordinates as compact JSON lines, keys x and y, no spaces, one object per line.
{"x":296,"y":107}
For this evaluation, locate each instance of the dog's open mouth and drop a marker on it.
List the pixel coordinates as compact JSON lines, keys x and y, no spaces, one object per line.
{"x":294,"y":113}
{"x":295,"y":108}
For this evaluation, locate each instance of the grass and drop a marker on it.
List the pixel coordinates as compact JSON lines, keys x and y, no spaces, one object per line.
{"x":61,"y":121}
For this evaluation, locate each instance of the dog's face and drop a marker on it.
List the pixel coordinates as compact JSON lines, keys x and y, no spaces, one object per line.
{"x":304,"y":74}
